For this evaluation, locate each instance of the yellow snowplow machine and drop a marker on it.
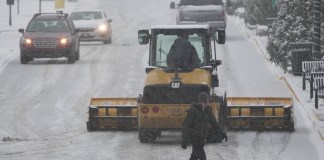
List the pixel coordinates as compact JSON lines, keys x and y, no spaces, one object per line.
{"x":260,"y":113}
{"x":112,"y":114}
{"x":169,"y":91}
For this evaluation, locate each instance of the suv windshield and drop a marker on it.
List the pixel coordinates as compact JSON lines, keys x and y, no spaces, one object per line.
{"x":52,"y":25}
{"x":163,"y":40}
{"x":86,"y":15}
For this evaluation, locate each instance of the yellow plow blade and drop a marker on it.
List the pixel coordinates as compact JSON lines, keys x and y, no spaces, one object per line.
{"x":260,"y":113}
{"x":112,"y":114}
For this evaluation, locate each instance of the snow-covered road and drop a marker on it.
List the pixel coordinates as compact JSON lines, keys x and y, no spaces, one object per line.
{"x":43,"y":105}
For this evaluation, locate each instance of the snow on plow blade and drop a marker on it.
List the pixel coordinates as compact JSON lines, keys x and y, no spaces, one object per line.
{"x":112,"y":114}
{"x":260,"y":113}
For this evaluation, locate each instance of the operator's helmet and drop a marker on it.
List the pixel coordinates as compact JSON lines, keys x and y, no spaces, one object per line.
{"x":203,"y":97}
{"x":182,"y":34}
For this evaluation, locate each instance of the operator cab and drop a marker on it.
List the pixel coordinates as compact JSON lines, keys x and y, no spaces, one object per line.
{"x":162,"y":38}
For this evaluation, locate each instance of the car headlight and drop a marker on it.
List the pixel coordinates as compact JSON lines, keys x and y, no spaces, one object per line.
{"x":25,"y":40}
{"x":102,"y":27}
{"x":65,"y":40}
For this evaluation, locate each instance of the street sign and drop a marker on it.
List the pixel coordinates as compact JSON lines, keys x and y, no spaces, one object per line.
{"x":10,"y":2}
{"x":274,"y":3}
{"x":59,"y":4}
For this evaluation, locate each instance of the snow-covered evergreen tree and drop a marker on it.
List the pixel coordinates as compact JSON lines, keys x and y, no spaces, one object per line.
{"x":294,"y":24}
{"x":249,"y":11}
{"x":256,"y":11}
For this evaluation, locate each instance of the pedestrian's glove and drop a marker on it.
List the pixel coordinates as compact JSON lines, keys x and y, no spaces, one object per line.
{"x":224,"y":136}
{"x":184,"y":145}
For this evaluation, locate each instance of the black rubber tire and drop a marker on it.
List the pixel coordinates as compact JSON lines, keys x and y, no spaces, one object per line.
{"x":146,"y":136}
{"x":108,"y":41}
{"x":89,"y":127}
{"x":158,"y":133}
{"x":71,"y":58}
{"x":77,"y":55}
{"x":110,"y":38}
{"x":213,"y":136}
{"x":23,"y":59}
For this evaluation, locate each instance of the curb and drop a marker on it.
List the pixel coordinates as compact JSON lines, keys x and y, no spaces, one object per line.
{"x":289,"y":86}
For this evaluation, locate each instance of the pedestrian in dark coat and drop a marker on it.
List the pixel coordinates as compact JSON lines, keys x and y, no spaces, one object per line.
{"x":195,"y":126}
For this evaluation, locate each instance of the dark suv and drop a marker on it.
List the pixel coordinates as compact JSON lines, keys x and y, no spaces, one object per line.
{"x":50,"y":35}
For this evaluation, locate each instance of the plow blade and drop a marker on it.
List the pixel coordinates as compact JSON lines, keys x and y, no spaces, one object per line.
{"x":112,"y":114}
{"x":260,"y":113}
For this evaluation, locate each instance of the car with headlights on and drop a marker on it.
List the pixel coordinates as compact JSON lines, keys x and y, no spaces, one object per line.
{"x":94,"y":25}
{"x":49,"y":35}
{"x":211,"y":12}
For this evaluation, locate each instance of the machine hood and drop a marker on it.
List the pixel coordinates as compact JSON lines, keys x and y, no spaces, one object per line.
{"x":197,"y":76}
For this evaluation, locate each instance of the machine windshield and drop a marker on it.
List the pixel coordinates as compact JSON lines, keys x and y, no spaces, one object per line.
{"x":164,"y":43}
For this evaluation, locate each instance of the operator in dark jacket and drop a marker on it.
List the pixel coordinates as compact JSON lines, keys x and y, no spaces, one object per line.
{"x":195,"y":127}
{"x":183,"y":54}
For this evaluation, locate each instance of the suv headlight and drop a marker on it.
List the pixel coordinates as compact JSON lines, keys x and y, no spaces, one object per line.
{"x":25,"y":40}
{"x":102,"y":27}
{"x":64,"y":41}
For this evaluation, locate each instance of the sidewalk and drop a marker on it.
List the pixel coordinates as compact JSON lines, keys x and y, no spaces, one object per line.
{"x":303,"y":97}
{"x":294,"y":83}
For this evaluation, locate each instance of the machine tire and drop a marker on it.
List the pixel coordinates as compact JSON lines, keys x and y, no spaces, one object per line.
{"x":89,"y":127}
{"x":158,"y":133}
{"x":213,"y":136}
{"x":146,"y":135}
{"x":291,"y":127}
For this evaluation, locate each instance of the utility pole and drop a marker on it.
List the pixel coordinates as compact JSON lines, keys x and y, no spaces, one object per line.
{"x":18,"y":7}
{"x":317,"y":29}
{"x":274,"y":4}
{"x":10,"y":15}
{"x":10,"y":3}
{"x":40,"y":6}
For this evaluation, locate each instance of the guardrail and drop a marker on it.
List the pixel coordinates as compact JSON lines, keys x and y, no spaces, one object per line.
{"x":309,"y":67}
{"x":319,"y":89}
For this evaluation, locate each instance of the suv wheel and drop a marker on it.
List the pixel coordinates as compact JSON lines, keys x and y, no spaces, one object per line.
{"x":77,"y":55}
{"x":71,"y":58}
{"x":108,"y":41}
{"x":23,"y":59}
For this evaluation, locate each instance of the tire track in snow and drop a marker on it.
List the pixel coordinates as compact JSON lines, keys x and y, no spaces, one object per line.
{"x":28,"y":104}
{"x":38,"y":147}
{"x":270,"y":144}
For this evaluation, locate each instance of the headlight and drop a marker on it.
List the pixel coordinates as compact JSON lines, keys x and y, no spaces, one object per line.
{"x":26,"y":40}
{"x":102,"y":27}
{"x":65,"y":40}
